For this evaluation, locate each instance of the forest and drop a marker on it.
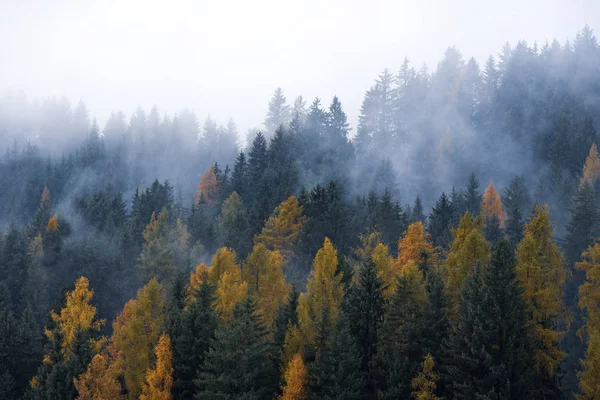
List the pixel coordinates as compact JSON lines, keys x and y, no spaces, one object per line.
{"x":448,"y":247}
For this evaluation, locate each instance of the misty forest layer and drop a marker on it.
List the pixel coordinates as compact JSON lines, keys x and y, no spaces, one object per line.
{"x":446,"y":249}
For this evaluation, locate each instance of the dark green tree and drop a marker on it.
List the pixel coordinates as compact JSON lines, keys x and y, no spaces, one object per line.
{"x":440,"y":221}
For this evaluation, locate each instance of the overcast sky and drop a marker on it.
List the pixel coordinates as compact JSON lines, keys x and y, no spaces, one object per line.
{"x":226,"y":57}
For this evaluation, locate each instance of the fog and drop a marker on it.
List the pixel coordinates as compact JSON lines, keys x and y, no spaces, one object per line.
{"x":225,"y":58}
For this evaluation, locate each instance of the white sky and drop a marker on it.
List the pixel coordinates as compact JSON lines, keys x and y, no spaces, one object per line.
{"x":226,"y":57}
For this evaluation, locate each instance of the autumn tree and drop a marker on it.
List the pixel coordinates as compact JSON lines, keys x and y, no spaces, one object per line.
{"x":209,"y":186}
{"x":136,"y":331}
{"x":295,"y":380}
{"x":373,"y":250}
{"x":468,"y":246}
{"x":425,"y":383}
{"x":264,"y":274}
{"x":589,"y":301}
{"x":226,"y":274}
{"x":318,"y":309}
{"x":283,"y":228}
{"x":415,"y":246}
{"x":159,"y":380}
{"x":99,"y":382}
{"x":591,"y":169}
{"x":492,"y":205}
{"x":541,"y":273}
{"x":224,"y":260}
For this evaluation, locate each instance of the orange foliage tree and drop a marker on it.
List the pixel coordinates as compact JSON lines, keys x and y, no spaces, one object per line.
{"x":492,"y":205}
{"x":209,"y":186}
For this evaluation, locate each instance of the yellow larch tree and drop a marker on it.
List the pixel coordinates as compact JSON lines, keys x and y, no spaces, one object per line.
{"x":283,"y":228}
{"x":231,"y":289}
{"x":136,"y":331}
{"x":542,"y":275}
{"x":591,"y":169}
{"x":209,"y":186}
{"x":373,"y":248}
{"x":197,"y":276}
{"x":589,"y":301}
{"x":319,"y":306}
{"x":491,"y":206}
{"x":293,"y":344}
{"x":77,"y":314}
{"x":99,"y":381}
{"x":469,"y":245}
{"x":264,"y":274}
{"x":295,"y":380}
{"x":224,"y":260}
{"x":52,"y":225}
{"x":159,"y":380}
{"x":425,"y":383}
{"x":415,"y":245}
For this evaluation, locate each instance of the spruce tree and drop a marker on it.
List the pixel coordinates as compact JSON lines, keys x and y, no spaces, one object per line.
{"x":239,"y":362}
{"x":440,"y":222}
{"x":472,"y":195}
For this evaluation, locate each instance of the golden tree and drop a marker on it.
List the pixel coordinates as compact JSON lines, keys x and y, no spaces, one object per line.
{"x":283,"y":228}
{"x":469,"y":245}
{"x":209,"y":186}
{"x":415,"y":244}
{"x":136,"y":331}
{"x":541,"y":273}
{"x":591,"y":169}
{"x":77,"y":314}
{"x":159,"y":380}
{"x":589,"y":300}
{"x":224,"y":260}
{"x":264,"y":274}
{"x":295,"y":380}
{"x":52,"y":225}
{"x":373,"y":248}
{"x":196,"y":278}
{"x":231,"y":289}
{"x":425,"y":383}
{"x":99,"y":381}
{"x":491,"y":206}
{"x":319,"y":306}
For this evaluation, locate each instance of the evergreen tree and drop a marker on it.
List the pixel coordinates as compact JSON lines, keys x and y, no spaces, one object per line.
{"x":440,"y":221}
{"x":583,"y":225}
{"x":364,"y":307}
{"x":233,"y":225}
{"x":417,"y":213}
{"x":238,"y":363}
{"x":473,"y":197}
{"x":279,"y":112}
{"x":333,"y":374}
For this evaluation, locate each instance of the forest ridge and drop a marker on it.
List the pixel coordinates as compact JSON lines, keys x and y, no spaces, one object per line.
{"x":157,"y":259}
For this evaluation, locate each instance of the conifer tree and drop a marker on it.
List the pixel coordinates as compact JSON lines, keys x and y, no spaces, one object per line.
{"x":136,"y":331}
{"x":542,"y":275}
{"x":159,"y":380}
{"x":264,"y":274}
{"x":425,"y":384}
{"x":318,"y":308}
{"x":295,"y":380}
{"x":415,"y":246}
{"x":491,"y":205}
{"x":157,"y":256}
{"x":282,"y":230}
{"x":279,"y":112}
{"x":584,"y":223}
{"x":417,"y":214}
{"x":239,"y":359}
{"x":468,"y":247}
{"x":209,"y":186}
{"x":591,"y":169}
{"x":99,"y":381}
{"x":233,"y":225}
{"x":472,"y":196}
{"x":440,"y":222}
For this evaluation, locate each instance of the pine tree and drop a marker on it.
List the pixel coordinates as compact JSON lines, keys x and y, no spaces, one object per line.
{"x":584,"y":223}
{"x":333,"y":374}
{"x":233,"y":225}
{"x":279,"y":112}
{"x":364,"y":307}
{"x":239,"y":177}
{"x":440,"y":221}
{"x":473,"y":197}
{"x":239,"y":360}
{"x":159,"y":380}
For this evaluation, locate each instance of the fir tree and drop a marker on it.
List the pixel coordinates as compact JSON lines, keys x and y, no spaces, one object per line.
{"x":440,"y":222}
{"x":472,"y":196}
